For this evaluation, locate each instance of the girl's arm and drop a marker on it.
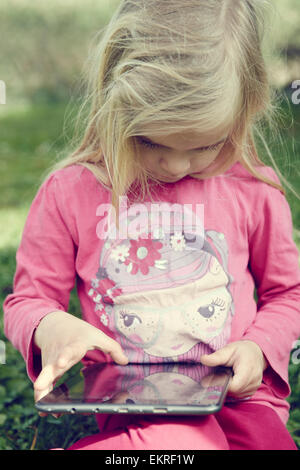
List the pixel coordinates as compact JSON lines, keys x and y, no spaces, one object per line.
{"x":44,"y":277}
{"x":45,"y":273}
{"x":263,"y":351}
{"x":274,"y":263}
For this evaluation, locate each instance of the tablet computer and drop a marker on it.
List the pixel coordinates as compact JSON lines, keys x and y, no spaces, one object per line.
{"x":164,"y":388}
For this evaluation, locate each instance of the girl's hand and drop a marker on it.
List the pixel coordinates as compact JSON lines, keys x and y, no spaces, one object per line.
{"x":248,"y":364}
{"x":64,"y":340}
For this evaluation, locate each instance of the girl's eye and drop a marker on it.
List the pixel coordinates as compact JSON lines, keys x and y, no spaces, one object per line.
{"x":148,"y":144}
{"x":213,"y":147}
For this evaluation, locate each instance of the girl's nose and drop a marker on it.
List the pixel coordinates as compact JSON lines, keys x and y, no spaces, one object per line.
{"x":176,"y":167}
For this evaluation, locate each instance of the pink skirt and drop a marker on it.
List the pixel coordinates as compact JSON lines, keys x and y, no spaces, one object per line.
{"x":238,"y":426}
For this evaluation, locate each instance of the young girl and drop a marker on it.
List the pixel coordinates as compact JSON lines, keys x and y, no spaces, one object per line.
{"x":177,"y":93}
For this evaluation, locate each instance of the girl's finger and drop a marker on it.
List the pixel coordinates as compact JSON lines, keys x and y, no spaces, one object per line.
{"x":220,"y":357}
{"x":39,"y":394}
{"x":68,"y":357}
{"x":55,"y":415}
{"x":239,"y":383}
{"x":45,"y":379}
{"x":111,"y":347}
{"x":118,"y":356}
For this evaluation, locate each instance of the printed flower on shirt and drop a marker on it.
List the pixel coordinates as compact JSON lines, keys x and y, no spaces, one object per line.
{"x":178,"y":242}
{"x":143,"y":253}
{"x":95,"y":283}
{"x":104,"y":319}
{"x":120,"y":253}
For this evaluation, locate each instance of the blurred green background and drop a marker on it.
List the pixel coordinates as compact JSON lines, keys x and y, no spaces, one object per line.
{"x":44,"y":47}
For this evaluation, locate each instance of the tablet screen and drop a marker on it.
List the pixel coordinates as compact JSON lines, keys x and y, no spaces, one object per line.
{"x":139,"y":388}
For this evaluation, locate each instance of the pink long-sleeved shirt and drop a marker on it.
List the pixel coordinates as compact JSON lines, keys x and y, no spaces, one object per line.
{"x":166,"y":291}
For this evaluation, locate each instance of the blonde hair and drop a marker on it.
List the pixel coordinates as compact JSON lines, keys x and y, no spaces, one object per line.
{"x":164,"y":67}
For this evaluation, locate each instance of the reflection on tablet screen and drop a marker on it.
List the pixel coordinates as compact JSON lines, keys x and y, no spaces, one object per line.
{"x":153,"y":384}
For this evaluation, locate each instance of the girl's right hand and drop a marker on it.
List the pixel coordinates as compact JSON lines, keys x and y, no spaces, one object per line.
{"x":63,"y":340}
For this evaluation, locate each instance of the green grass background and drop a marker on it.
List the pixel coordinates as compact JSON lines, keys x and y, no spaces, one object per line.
{"x":48,"y":44}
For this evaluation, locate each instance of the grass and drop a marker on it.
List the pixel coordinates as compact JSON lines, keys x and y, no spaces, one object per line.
{"x":44,"y":44}
{"x":30,"y":138}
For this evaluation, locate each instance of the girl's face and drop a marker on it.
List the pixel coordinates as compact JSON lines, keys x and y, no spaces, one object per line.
{"x":171,"y":158}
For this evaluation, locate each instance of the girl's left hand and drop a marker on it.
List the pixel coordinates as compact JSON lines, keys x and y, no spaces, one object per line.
{"x":248,"y":364}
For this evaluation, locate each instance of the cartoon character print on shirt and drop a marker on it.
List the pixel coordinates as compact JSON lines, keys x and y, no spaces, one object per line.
{"x":164,"y":290}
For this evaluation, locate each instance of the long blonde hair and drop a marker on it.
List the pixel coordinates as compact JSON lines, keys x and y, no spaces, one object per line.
{"x":169,"y":66}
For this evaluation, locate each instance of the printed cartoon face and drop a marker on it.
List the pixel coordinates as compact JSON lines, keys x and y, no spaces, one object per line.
{"x":169,"y":322}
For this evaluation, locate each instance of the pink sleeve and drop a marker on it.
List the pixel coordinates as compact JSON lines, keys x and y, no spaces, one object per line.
{"x":45,"y":273}
{"x":274,"y":263}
